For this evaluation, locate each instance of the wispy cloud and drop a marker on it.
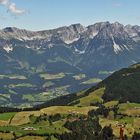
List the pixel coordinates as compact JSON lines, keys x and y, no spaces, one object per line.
{"x":4,"y":2}
{"x":12,"y":8}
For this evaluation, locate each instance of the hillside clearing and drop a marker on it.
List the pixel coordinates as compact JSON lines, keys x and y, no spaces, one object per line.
{"x":92,"y":98}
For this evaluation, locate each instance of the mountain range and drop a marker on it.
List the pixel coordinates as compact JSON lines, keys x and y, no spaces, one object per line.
{"x":37,"y":66}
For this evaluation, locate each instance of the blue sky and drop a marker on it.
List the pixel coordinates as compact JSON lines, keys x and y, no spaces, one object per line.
{"x":47,"y":14}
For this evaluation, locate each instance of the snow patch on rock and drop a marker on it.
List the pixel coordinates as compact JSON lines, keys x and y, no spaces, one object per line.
{"x":93,"y":35}
{"x":8,"y":49}
{"x":116,"y":47}
{"x":71,"y":41}
{"x":78,"y":51}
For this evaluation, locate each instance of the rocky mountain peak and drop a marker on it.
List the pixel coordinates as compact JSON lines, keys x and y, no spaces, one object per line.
{"x":78,"y":28}
{"x":10,"y":29}
{"x":104,"y":32}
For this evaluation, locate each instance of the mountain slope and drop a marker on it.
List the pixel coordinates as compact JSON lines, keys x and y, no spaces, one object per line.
{"x":99,"y":43}
{"x":121,"y":86}
{"x":38,"y":66}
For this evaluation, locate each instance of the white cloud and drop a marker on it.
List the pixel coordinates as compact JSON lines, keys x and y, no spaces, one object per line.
{"x":4,"y":2}
{"x":12,"y":8}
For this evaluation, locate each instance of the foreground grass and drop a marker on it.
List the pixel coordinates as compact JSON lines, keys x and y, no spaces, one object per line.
{"x":6,"y":116}
{"x":32,"y":138}
{"x":27,"y":119}
{"x":130,"y":109}
{"x":111,"y":104}
{"x":6,"y":136}
{"x":22,"y":118}
{"x":67,"y":110}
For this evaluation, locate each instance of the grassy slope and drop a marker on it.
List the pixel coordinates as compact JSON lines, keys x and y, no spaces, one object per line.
{"x":131,"y":109}
{"x":67,"y":110}
{"x":31,"y":138}
{"x":6,"y":136}
{"x":121,"y":86}
{"x":92,"y":98}
{"x":7,"y":116}
{"x":21,"y":118}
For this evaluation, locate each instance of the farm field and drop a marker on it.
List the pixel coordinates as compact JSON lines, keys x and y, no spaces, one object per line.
{"x":22,"y":91}
{"x":44,"y":123}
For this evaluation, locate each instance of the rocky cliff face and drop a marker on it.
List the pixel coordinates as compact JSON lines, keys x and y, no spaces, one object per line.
{"x":112,"y":45}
